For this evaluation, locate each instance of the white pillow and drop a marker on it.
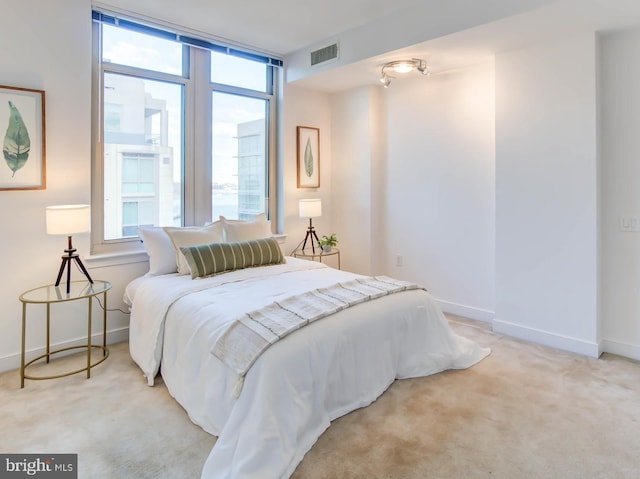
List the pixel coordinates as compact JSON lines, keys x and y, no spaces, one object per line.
{"x":211,"y":233}
{"x":246,"y":230}
{"x":158,"y":245}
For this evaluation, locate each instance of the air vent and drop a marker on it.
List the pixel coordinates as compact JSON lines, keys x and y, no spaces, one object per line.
{"x":324,"y":54}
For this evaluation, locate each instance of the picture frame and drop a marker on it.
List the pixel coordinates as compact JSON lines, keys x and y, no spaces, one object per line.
{"x":308,"y":157}
{"x":22,"y":136}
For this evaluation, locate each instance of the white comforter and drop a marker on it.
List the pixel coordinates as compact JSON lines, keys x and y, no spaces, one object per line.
{"x":301,"y":383}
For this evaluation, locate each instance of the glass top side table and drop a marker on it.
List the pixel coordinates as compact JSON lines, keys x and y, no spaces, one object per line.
{"x":319,"y":254}
{"x":51,"y":294}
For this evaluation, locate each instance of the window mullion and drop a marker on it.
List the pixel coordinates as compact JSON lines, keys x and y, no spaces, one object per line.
{"x":201,"y":161}
{"x":189,"y":163}
{"x":97,"y":176}
{"x":240,"y":91}
{"x":142,"y":73}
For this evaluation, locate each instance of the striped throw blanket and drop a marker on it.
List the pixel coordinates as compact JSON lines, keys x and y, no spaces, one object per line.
{"x":250,"y":335}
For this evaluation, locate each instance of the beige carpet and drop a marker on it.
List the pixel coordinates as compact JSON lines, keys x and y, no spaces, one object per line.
{"x":526,"y":411}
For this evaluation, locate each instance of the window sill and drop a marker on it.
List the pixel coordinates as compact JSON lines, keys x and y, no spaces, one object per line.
{"x":120,"y":258}
{"x":116,"y":259}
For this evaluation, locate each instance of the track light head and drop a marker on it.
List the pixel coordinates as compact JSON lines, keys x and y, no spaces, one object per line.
{"x":385,"y":80}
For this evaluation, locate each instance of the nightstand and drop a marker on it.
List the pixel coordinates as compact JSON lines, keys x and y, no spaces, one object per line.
{"x":319,"y":254}
{"x":51,"y":294}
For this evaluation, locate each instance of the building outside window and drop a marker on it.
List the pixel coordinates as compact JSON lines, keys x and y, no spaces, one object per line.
{"x":138,"y":163}
{"x":251,"y":168}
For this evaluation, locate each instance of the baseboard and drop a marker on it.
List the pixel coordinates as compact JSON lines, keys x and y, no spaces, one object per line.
{"x":466,"y":311}
{"x":12,"y":361}
{"x":547,"y":338}
{"x":621,"y":349}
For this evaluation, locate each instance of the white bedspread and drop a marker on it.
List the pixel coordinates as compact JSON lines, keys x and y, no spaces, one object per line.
{"x":301,"y":383}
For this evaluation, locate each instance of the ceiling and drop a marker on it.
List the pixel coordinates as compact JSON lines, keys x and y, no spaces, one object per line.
{"x":275,"y":26}
{"x":448,"y":53}
{"x":474,"y":45}
{"x":281,"y":27}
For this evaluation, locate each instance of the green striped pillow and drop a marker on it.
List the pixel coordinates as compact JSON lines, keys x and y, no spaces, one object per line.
{"x":213,"y":258}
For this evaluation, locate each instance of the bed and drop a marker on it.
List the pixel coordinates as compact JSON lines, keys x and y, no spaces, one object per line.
{"x":269,"y":418}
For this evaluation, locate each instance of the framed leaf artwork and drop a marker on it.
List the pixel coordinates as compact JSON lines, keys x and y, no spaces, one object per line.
{"x":22,"y":132}
{"x":308,"y":157}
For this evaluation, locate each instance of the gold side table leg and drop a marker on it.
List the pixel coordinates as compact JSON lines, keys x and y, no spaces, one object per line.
{"x":24,"y":331}
{"x":104,"y":325}
{"x":48,"y":332}
{"x":89,"y":339}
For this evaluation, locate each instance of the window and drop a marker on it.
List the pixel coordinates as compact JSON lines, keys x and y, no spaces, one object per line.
{"x":184,"y":131}
{"x":138,"y":172}
{"x":134,"y":214}
{"x":229,"y":70}
{"x":239,"y":144}
{"x":123,"y":46}
{"x":144,"y":154}
{"x":112,"y":116}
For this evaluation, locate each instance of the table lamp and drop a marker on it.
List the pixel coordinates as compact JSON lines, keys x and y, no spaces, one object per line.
{"x":310,"y":209}
{"x":69,"y":220}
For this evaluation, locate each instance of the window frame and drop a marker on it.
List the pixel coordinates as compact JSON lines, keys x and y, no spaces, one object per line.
{"x":270,"y":119}
{"x":198,"y":90}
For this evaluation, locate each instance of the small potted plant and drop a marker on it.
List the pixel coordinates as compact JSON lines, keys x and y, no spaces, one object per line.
{"x":328,"y":242}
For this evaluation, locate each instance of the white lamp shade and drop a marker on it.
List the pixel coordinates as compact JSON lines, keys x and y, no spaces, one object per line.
{"x":68,"y":219}
{"x":310,"y":208}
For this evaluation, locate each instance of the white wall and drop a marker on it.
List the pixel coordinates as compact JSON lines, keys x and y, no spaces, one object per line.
{"x":53,"y":56}
{"x":440,"y":186}
{"x":546,"y":195}
{"x":620,"y":186}
{"x":413,"y":176}
{"x":353,"y":125}
{"x":305,"y":108}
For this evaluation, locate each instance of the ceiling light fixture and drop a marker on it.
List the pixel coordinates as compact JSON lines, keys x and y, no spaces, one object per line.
{"x":402,"y":66}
